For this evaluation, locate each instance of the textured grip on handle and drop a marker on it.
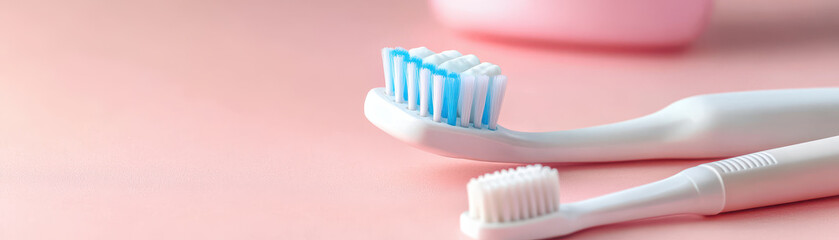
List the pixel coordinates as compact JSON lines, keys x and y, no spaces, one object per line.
{"x":788,"y":174}
{"x":745,"y":162}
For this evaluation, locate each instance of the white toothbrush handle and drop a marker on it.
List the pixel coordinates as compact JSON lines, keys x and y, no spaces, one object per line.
{"x":782,"y":175}
{"x":705,"y":126}
{"x":787,"y":174}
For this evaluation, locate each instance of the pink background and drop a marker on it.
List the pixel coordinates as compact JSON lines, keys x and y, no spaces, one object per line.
{"x":243,"y":119}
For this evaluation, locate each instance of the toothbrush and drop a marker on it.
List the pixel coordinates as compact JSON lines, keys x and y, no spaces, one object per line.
{"x":523,"y":203}
{"x":435,"y":86}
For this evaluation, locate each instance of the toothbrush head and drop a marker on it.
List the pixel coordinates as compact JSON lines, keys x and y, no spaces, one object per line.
{"x":518,"y":203}
{"x":439,"y":101}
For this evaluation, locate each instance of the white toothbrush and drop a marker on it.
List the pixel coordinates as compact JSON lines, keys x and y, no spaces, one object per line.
{"x":524,"y":203}
{"x":705,"y":126}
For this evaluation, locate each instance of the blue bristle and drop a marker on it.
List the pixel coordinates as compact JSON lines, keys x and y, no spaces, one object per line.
{"x":405,"y":80}
{"x":393,"y":54}
{"x":431,"y":68}
{"x":452,"y":95}
{"x":447,"y":89}
{"x":487,"y":104}
{"x":405,"y":57}
{"x":401,"y":51}
{"x":416,"y":60}
{"x":444,"y":73}
{"x":418,"y":63}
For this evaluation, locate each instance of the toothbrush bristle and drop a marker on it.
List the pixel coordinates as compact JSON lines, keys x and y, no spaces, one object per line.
{"x":433,"y":85}
{"x":514,"y":194}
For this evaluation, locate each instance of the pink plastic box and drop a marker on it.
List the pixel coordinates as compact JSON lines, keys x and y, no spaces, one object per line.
{"x":636,"y":23}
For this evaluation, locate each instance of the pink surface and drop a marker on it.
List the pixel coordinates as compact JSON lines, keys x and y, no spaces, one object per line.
{"x":243,"y":120}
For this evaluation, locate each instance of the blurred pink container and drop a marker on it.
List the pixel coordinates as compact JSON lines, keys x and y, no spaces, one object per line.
{"x":633,"y":23}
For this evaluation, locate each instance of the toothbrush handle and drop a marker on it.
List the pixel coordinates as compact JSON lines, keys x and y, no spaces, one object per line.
{"x":704,"y":126}
{"x":742,"y":122}
{"x":781,"y":175}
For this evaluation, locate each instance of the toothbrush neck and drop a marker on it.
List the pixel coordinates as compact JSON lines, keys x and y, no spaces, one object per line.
{"x":696,"y":190}
{"x":641,"y":138}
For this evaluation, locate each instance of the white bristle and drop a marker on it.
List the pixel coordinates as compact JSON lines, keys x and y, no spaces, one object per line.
{"x":499,"y":84}
{"x":411,"y":70}
{"x":398,"y":75}
{"x":388,"y":68}
{"x":460,"y":64}
{"x":490,"y":200}
{"x":543,"y":198}
{"x":437,"y":98}
{"x":473,"y":204}
{"x":484,"y":68}
{"x":442,"y":57}
{"x":420,"y":52}
{"x":467,"y":91}
{"x":475,"y":70}
{"x":554,"y":195}
{"x":425,"y":79}
{"x":514,"y":195}
{"x":481,"y":85}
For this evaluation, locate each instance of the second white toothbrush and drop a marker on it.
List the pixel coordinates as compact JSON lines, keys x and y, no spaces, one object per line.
{"x":524,"y":203}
